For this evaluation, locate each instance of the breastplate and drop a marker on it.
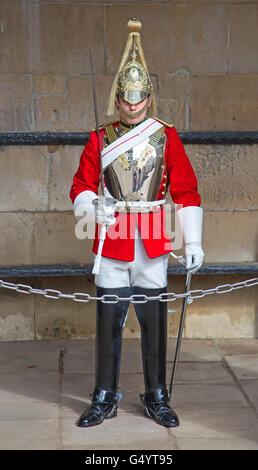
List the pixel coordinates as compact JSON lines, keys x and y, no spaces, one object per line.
{"x":136,"y":174}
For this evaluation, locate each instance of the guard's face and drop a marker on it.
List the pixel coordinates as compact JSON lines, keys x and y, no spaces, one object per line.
{"x":133,"y":108}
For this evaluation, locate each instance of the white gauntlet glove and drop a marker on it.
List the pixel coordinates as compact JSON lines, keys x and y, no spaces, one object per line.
{"x":96,"y":209}
{"x":83,"y":206}
{"x":194,"y":256}
{"x":190,"y":219}
{"x":104,"y":210}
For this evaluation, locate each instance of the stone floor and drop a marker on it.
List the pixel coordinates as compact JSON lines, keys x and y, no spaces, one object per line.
{"x":45,"y":385}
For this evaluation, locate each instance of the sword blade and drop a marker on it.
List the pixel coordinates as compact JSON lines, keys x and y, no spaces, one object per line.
{"x":97,"y":122}
{"x":180,"y":331}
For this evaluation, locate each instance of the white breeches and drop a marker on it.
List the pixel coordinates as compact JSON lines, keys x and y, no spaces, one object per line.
{"x":143,"y":271}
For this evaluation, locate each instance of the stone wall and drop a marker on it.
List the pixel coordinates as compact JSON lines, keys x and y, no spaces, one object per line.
{"x":202,"y":56}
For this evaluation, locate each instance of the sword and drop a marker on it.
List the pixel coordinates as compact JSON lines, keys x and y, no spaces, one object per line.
{"x":97,"y":122}
{"x":103,"y":231}
{"x":180,"y":331}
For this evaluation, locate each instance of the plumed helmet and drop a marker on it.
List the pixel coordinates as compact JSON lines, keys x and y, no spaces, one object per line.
{"x":132,"y":81}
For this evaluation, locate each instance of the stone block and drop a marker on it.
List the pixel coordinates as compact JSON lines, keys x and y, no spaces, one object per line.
{"x":84,"y":345}
{"x":49,"y":84}
{"x":230,"y":236}
{"x":56,"y":242}
{"x":194,"y":2}
{"x":80,"y":98}
{"x":74,"y":111}
{"x":200,"y":38}
{"x":132,"y":2}
{"x":203,"y":373}
{"x":138,"y":436}
{"x":65,"y":318}
{"x":226,"y":175}
{"x":14,"y":57}
{"x":19,"y":351}
{"x":192,"y":37}
{"x":15,"y":89}
{"x":224,"y":422}
{"x":31,"y":45}
{"x":173,"y":111}
{"x":80,"y":27}
{"x":250,"y":388}
{"x":23,"y":179}
{"x":13,"y":411}
{"x":82,"y":362}
{"x":216,"y":444}
{"x":52,"y":114}
{"x":231,"y":315}
{"x":28,"y":387}
{"x":16,"y":110}
{"x":173,"y":86}
{"x":243,"y":52}
{"x":106,"y":2}
{"x":172,"y":99}
{"x":16,"y":243}
{"x":224,"y":103}
{"x":64,"y":162}
{"x":243,"y":366}
{"x":18,"y":356}
{"x":220,"y":395}
{"x":194,"y":350}
{"x":219,"y":323}
{"x":35,"y":430}
{"x":30,"y":444}
{"x":16,"y":319}
{"x":235,"y":347}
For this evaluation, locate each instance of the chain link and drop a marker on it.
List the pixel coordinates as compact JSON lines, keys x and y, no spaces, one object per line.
{"x":135,"y":299}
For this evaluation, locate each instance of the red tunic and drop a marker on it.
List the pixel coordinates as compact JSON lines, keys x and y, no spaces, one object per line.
{"x":178,"y":174}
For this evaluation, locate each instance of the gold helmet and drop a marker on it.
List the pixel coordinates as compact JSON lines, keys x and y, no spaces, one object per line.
{"x":132,"y":81}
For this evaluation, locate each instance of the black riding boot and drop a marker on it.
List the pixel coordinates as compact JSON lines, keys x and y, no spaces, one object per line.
{"x":109,"y":325}
{"x":156,"y":406}
{"x":152,"y":317}
{"x":104,"y":405}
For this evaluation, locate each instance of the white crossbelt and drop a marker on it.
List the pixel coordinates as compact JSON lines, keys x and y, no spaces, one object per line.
{"x":133,"y":137}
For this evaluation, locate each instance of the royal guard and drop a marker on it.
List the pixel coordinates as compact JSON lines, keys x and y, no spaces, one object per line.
{"x":137,"y":159}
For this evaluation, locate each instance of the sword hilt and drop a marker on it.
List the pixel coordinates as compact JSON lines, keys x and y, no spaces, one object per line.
{"x":97,"y":260}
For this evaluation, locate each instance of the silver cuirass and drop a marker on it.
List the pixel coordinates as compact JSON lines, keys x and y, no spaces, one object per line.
{"x":136,"y":175}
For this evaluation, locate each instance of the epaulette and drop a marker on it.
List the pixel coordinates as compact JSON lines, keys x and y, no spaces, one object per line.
{"x":103,"y":126}
{"x":163,"y":122}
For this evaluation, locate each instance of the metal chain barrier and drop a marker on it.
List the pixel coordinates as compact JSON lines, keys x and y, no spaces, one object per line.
{"x":135,"y":299}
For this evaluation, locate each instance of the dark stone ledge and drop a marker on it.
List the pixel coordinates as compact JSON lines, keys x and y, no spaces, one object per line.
{"x":80,"y":138}
{"x":86,"y":269}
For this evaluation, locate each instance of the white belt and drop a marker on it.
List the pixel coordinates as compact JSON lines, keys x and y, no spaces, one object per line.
{"x":139,"y":206}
